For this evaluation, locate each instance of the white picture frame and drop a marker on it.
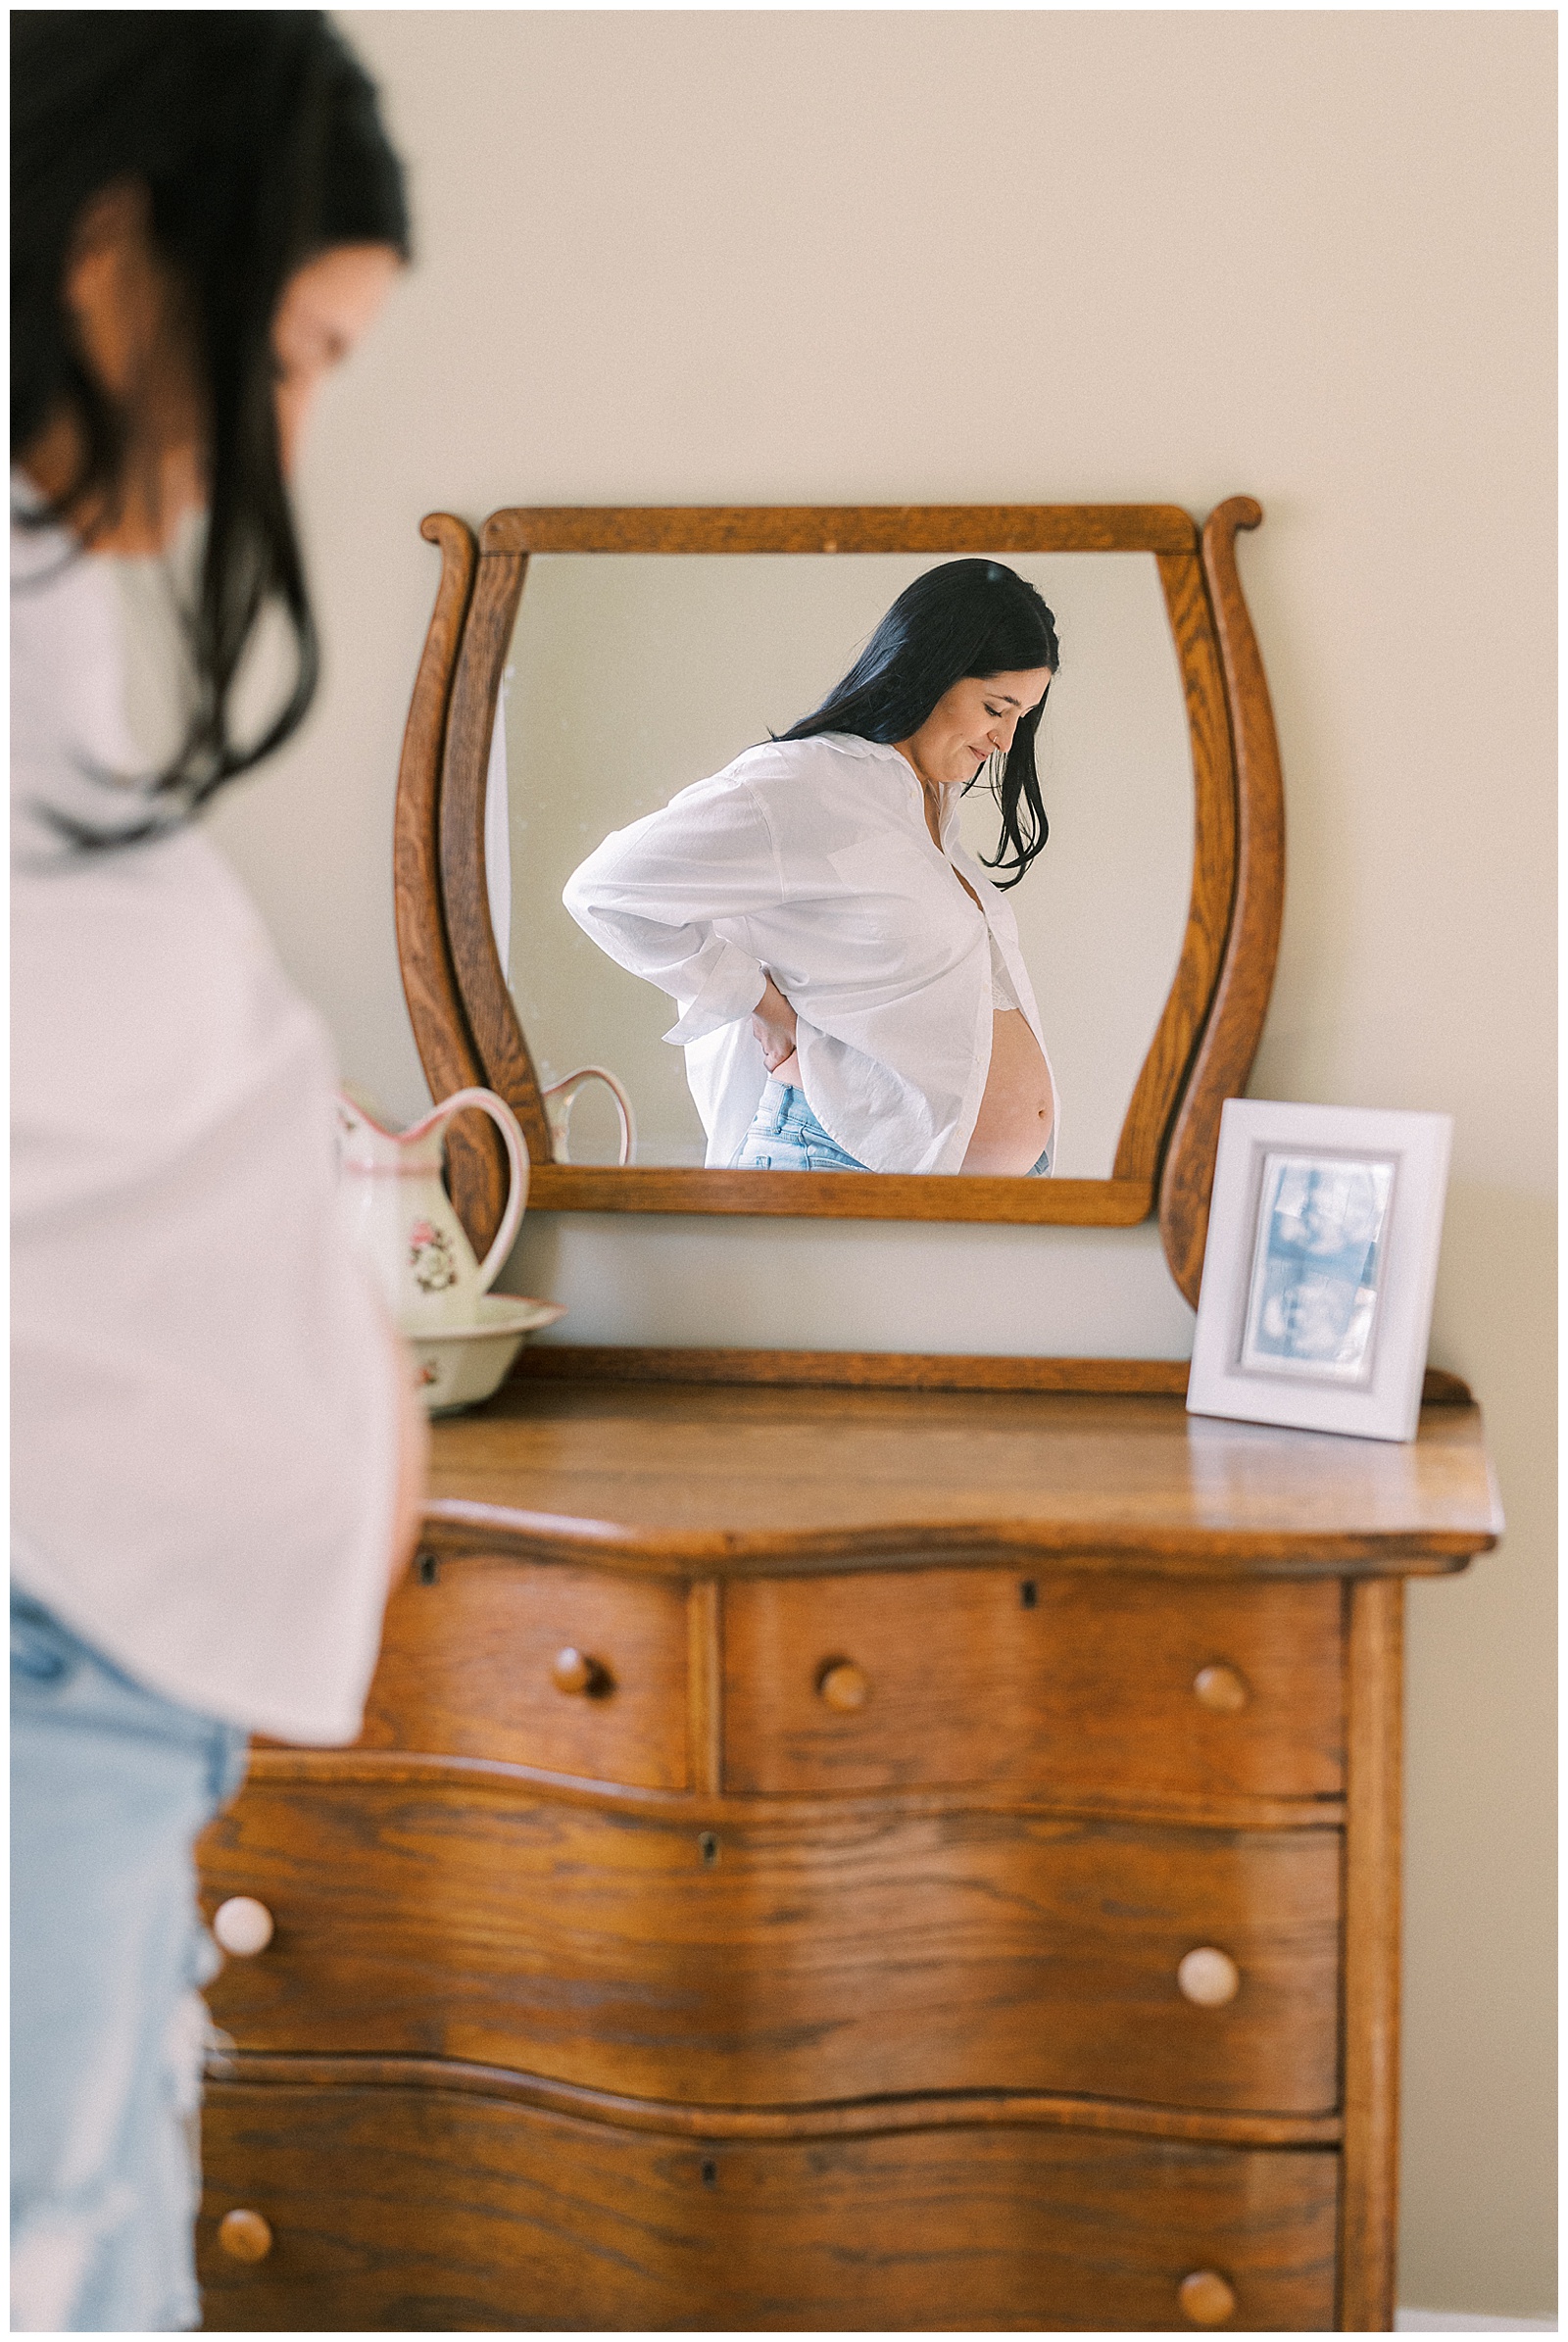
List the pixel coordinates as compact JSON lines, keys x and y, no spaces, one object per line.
{"x":1320,"y":1266}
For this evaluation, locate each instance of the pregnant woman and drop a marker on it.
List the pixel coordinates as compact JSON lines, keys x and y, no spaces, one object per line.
{"x":851,"y":990}
{"x":217,"y":1455}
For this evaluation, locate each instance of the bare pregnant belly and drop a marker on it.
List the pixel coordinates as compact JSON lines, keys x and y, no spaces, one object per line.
{"x":1016,"y":1112}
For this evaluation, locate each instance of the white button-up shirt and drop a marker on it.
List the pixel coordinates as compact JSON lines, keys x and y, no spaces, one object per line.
{"x":810,"y":862}
{"x":203,"y":1403}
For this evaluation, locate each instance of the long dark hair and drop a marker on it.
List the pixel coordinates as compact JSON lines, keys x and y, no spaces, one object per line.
{"x":258,"y":139}
{"x":967,"y":618}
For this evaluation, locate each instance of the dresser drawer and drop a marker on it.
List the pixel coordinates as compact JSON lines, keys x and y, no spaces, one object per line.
{"x":472,"y":1665}
{"x":1073,"y":1685}
{"x":794,"y":1961}
{"x":410,"y":2208}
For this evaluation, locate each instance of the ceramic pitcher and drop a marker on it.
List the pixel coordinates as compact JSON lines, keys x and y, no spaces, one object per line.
{"x":396,"y":1210}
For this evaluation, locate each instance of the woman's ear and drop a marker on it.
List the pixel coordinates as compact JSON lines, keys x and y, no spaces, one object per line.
{"x":115,"y":287}
{"x":132,"y":334}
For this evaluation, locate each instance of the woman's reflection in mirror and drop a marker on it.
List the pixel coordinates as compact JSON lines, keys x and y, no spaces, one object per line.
{"x":851,"y":989}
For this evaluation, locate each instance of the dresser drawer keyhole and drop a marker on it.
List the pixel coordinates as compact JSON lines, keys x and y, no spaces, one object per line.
{"x":427,"y":1569}
{"x":707,"y":1846}
{"x":710,"y":2173}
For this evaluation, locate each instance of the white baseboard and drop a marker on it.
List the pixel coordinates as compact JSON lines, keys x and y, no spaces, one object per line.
{"x":1458,"y":2322}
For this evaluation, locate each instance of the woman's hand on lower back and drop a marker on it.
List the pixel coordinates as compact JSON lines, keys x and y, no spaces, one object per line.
{"x":773,"y":1023}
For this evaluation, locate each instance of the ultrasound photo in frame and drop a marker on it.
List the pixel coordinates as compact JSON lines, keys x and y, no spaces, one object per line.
{"x":1320,"y":1267}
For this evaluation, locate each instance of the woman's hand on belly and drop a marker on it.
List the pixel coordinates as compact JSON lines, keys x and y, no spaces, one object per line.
{"x":773,"y":1023}
{"x":1017,"y":1111}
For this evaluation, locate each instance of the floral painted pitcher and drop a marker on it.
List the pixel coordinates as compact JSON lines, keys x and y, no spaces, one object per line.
{"x":396,"y":1210}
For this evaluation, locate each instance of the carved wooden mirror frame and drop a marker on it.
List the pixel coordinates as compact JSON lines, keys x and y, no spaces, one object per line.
{"x":464,"y":1022}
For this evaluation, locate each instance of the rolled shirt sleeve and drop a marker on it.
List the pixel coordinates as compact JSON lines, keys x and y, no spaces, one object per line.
{"x":654,"y":897}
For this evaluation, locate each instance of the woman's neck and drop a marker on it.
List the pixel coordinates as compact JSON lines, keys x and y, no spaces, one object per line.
{"x":934,"y":794}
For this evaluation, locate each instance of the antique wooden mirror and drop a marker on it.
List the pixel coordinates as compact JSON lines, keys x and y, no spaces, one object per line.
{"x":652,"y":646}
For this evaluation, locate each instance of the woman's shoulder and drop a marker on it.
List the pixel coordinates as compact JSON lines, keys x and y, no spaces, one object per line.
{"x":855,"y":784}
{"x":825,"y":754}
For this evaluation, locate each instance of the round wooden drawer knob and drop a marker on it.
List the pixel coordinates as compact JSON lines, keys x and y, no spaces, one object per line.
{"x":1221,"y":1689}
{"x":245,"y":2235}
{"x":243,"y":1925}
{"x":1208,"y":1977}
{"x":843,"y":1685}
{"x":572,"y":1670}
{"x":1205,"y":2298}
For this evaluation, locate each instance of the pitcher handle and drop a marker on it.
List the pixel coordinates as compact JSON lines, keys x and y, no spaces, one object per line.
{"x":507,"y":1124}
{"x":558,"y":1099}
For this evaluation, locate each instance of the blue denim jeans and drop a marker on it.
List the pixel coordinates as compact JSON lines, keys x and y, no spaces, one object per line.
{"x":110,"y":1784}
{"x":786,"y":1136}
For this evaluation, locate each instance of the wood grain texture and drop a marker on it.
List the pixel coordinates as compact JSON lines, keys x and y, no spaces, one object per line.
{"x":479,"y":1173}
{"x":783,"y":1963}
{"x":1160,"y":1082}
{"x":888,"y":1370}
{"x":840,"y":528}
{"x":429,"y":983}
{"x":1240,"y":998}
{"x":847,"y":2006}
{"x":705,"y":1676}
{"x":711,"y":1479}
{"x":854,"y":2118}
{"x":1072,"y":1686}
{"x":428,"y":2211}
{"x":465,"y":1671}
{"x":276,"y":1762}
{"x":1371,"y":2086}
{"x":489,"y":1016}
{"x":842,"y":1195}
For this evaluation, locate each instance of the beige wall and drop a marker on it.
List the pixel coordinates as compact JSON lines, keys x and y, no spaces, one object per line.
{"x":949,"y":257}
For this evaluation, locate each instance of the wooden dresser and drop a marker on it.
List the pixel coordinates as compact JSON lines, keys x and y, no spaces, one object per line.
{"x":828,"y":1857}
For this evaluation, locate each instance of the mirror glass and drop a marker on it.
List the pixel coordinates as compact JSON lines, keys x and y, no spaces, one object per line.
{"x":632,"y":674}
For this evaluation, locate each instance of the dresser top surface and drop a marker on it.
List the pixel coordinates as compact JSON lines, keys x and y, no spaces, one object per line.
{"x":672,"y":1475}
